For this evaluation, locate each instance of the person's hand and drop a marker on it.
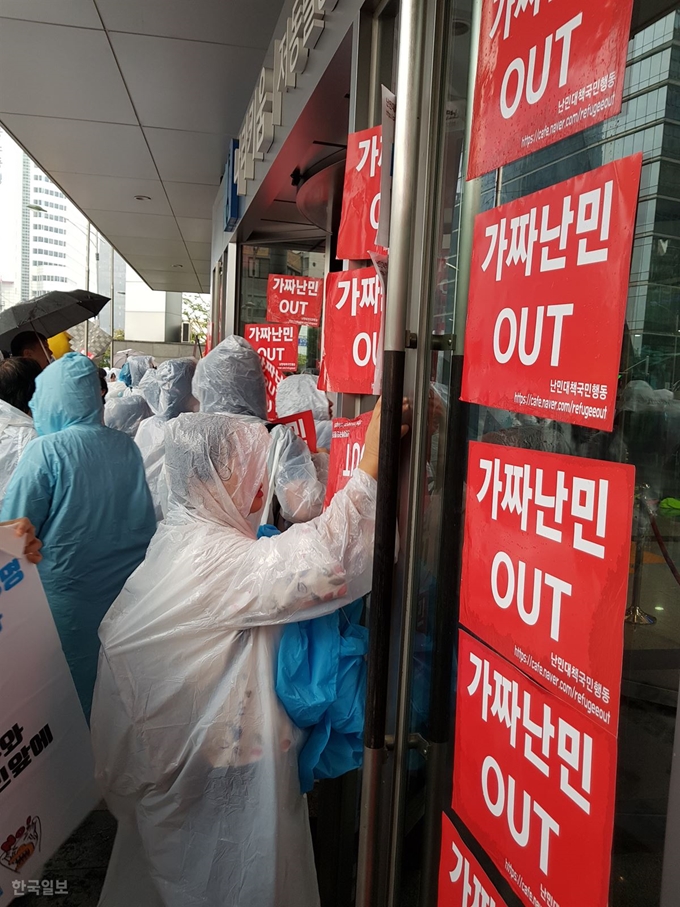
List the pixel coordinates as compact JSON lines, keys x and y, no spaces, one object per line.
{"x":32,"y":545}
{"x":369,"y":460}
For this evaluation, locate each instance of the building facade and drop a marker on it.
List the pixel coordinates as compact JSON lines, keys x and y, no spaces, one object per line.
{"x":410,"y":760}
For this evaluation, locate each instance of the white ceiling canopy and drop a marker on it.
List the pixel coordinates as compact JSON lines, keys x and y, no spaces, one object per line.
{"x":122,"y":98}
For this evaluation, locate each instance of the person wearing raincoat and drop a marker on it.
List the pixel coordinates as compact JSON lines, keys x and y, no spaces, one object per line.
{"x":230,"y":380}
{"x":17,"y":386}
{"x":168,"y":392}
{"x":297,"y":393}
{"x":126,"y":414}
{"x":134,"y":370}
{"x":194,"y":753}
{"x":82,"y":487}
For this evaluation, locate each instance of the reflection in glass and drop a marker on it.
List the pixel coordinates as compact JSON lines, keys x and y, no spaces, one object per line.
{"x":257,"y":263}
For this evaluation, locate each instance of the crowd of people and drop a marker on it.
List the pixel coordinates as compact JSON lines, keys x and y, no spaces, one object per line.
{"x":176,"y":532}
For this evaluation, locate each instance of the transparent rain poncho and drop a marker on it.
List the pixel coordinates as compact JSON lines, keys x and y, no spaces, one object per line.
{"x":16,"y":430}
{"x":298,"y":393}
{"x":230,"y":380}
{"x":167,"y":390}
{"x":194,"y":753}
{"x":138,"y":367}
{"x":126,"y":414}
{"x":149,"y":388}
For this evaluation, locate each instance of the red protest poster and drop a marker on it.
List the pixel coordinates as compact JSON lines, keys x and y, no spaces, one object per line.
{"x":273,"y":376}
{"x":534,"y":781}
{"x":546,"y":70}
{"x":303,"y":426}
{"x":276,"y":343}
{"x":294,"y":300}
{"x":462,"y":881}
{"x":545,"y":569}
{"x":352,"y":331}
{"x":361,"y":195}
{"x":347,"y":448}
{"x":547,"y":299}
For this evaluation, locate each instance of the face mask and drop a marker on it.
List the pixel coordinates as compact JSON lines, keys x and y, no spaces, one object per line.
{"x":47,"y":351}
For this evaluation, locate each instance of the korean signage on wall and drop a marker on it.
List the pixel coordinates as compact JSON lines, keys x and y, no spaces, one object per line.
{"x":462,"y":881}
{"x":361,"y":195}
{"x":304,"y":27}
{"x":294,"y":300}
{"x":545,"y":569}
{"x":273,"y":376}
{"x":546,"y":70}
{"x":303,"y":426}
{"x":547,"y":300}
{"x":534,"y":781}
{"x":276,"y":343}
{"x":347,"y":449}
{"x":352,"y":331}
{"x":46,"y":769}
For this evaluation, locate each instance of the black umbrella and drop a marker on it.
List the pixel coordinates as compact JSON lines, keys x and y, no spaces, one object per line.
{"x":49,"y":314}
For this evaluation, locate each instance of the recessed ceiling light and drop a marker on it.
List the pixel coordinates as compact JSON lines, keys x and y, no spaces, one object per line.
{"x":142,"y":198}
{"x":178,"y":266}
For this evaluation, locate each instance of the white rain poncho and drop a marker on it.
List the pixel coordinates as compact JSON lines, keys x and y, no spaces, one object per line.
{"x":194,"y":753}
{"x":126,"y":414}
{"x":16,"y":430}
{"x":137,"y":367}
{"x":298,"y":393}
{"x":150,"y":388}
{"x":230,"y":380}
{"x":167,"y":390}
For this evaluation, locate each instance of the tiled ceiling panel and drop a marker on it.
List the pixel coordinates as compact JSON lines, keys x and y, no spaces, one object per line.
{"x":118,"y":98}
{"x":244,"y":23}
{"x":80,"y":13}
{"x":57,"y":71}
{"x":83,"y":147}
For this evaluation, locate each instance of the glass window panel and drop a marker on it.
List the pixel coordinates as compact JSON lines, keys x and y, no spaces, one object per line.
{"x":257,"y":263}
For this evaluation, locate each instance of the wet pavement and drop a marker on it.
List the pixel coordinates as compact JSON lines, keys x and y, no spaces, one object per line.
{"x":81,"y":863}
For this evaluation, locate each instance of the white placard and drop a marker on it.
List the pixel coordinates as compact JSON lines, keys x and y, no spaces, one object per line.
{"x":46,"y":769}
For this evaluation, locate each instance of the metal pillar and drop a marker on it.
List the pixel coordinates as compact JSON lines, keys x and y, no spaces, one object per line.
{"x":404,"y":194}
{"x":87,"y":287}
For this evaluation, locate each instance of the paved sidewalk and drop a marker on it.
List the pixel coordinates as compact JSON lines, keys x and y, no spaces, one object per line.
{"x":81,"y":862}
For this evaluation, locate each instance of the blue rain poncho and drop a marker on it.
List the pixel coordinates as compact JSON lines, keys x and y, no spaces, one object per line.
{"x":82,"y":486}
{"x":167,"y":390}
{"x":194,"y":753}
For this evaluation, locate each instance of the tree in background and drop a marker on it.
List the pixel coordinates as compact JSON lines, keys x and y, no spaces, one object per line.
{"x":105,"y":359}
{"x":196,"y":310}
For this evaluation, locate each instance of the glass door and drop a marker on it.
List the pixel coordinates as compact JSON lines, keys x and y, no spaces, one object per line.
{"x":646,"y":434}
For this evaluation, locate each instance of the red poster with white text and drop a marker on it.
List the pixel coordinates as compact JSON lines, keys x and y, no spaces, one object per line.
{"x":547,"y":299}
{"x":352,"y":331}
{"x":361,"y":195}
{"x":273,"y":376}
{"x":276,"y":343}
{"x":546,"y":70}
{"x":303,"y":426}
{"x":294,"y":300}
{"x":462,"y":881}
{"x":347,"y":449}
{"x":534,"y":781}
{"x":545,"y":569}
